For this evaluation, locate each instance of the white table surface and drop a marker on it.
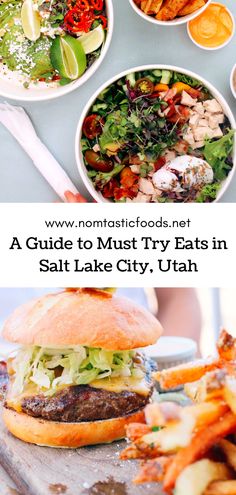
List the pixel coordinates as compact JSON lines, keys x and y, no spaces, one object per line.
{"x":135,"y":42}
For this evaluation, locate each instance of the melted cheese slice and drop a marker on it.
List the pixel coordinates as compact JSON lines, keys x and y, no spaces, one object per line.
{"x":138,"y":385}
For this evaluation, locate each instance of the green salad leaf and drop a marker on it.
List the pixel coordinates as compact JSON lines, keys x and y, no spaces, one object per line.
{"x":52,"y":368}
{"x":217,"y":152}
{"x":208,"y":193}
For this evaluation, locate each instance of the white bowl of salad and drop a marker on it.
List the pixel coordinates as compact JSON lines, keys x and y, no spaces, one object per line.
{"x":48,"y":48}
{"x":169,"y":12}
{"x":156,"y":134}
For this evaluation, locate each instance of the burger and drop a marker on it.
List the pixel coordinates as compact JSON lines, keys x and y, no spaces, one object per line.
{"x":78,"y":377}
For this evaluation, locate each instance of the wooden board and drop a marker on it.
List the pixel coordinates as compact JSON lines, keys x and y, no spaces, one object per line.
{"x":7,"y":486}
{"x":87,"y":471}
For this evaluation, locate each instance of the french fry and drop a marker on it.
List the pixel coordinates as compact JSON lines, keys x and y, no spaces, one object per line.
{"x":194,"y":479}
{"x":185,"y":373}
{"x":191,"y":7}
{"x":200,"y":444}
{"x":153,"y":470}
{"x":170,"y":9}
{"x":137,"y":430}
{"x":230,"y":393}
{"x":221,"y":488}
{"x":161,"y":414}
{"x":209,"y":387}
{"x":146,"y":6}
{"x":226,"y":346}
{"x":229,"y":450}
{"x":206,"y":413}
{"x":168,"y":440}
{"x":132,"y":452}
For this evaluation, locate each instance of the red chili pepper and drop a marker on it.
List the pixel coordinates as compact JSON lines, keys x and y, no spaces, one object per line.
{"x":103,"y":19}
{"x":81,"y":5}
{"x":97,"y":4}
{"x":76,"y":21}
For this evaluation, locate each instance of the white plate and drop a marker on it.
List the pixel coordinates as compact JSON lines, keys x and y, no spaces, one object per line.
{"x":9,"y":89}
{"x":175,"y":22}
{"x":78,"y":151}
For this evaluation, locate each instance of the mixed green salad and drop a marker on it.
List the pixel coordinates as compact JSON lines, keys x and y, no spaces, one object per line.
{"x":157,"y":136}
{"x":50,"y":41}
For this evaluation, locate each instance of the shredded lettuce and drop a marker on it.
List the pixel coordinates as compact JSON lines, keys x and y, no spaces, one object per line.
{"x":50,"y":368}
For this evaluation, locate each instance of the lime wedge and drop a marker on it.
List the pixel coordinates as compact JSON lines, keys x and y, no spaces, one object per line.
{"x":68,"y":57}
{"x":30,"y":19}
{"x":93,"y":40}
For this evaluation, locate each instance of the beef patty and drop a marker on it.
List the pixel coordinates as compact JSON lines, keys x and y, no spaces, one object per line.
{"x":79,"y":403}
{"x":83,"y":403}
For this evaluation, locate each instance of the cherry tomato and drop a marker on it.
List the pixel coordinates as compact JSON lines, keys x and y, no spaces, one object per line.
{"x":97,"y":162}
{"x":181,"y":114}
{"x":109,"y":188}
{"x":92,"y":126}
{"x":125,"y":192}
{"x":144,"y":86}
{"x":159,"y":163}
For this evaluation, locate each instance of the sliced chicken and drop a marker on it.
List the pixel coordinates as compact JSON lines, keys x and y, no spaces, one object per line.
{"x":199,"y":108}
{"x":187,"y":100}
{"x":140,"y":198}
{"x":146,"y":186}
{"x":216,"y":119}
{"x":201,"y":133}
{"x":212,"y":106}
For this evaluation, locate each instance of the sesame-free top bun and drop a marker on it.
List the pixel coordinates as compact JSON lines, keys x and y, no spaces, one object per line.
{"x":86,"y":317}
{"x":67,"y":435}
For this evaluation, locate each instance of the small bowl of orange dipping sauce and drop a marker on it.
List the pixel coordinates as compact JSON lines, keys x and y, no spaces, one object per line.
{"x":214,"y":28}
{"x":233,"y":81}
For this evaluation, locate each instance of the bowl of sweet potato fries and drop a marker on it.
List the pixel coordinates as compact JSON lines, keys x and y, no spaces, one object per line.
{"x":191,"y":449}
{"x":169,"y":12}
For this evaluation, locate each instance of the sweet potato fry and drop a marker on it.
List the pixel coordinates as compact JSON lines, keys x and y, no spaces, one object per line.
{"x":137,"y":430}
{"x":200,"y":444}
{"x":153,"y":470}
{"x":221,"y":488}
{"x":170,"y":9}
{"x":191,"y":7}
{"x":229,"y":450}
{"x":226,"y":346}
{"x":185,"y":373}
